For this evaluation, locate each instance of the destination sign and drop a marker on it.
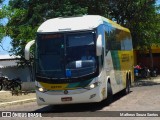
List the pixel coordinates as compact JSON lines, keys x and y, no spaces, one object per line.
{"x":51,"y":36}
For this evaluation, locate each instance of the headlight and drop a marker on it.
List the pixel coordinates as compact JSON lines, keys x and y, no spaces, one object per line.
{"x":93,"y":85}
{"x":41,"y":89}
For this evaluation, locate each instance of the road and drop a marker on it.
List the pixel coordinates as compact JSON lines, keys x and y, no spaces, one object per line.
{"x":142,"y":98}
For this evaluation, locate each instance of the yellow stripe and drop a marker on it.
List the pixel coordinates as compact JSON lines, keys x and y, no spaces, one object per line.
{"x":50,"y":86}
{"x":116,"y":25}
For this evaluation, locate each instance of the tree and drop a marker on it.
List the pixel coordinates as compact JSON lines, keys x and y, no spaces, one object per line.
{"x":1,"y":16}
{"x":145,"y":29}
{"x":140,"y":17}
{"x":2,"y":32}
{"x":26,"y":15}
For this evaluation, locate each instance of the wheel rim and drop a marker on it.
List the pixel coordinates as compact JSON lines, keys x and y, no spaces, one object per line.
{"x":1,"y":87}
{"x":17,"y":87}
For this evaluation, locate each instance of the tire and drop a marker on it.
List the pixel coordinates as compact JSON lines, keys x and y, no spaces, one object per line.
{"x":109,"y":94}
{"x":16,"y":86}
{"x":128,"y":85}
{"x":1,"y":86}
{"x":127,"y":90}
{"x":144,"y":74}
{"x":154,"y":73}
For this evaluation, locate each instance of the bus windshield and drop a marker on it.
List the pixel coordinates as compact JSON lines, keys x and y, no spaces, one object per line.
{"x":66,"y":55}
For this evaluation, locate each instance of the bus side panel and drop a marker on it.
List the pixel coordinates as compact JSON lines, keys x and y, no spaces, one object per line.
{"x":107,"y":65}
{"x":119,"y":43}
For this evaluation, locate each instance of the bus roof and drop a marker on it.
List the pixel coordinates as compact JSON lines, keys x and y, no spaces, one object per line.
{"x":86,"y":22}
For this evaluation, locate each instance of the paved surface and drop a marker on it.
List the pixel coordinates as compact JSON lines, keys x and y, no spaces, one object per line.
{"x":147,"y":82}
{"x":6,"y":97}
{"x":137,"y":100}
{"x":142,"y":98}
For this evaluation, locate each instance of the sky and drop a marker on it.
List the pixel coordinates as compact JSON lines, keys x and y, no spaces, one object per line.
{"x":6,"y":40}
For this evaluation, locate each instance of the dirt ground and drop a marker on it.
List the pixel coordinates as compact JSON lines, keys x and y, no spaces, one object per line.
{"x":6,"y":96}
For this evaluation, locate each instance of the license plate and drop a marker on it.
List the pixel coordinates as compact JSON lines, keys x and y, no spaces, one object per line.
{"x":66,"y":99}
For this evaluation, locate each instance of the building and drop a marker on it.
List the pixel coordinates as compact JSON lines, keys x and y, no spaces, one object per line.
{"x":143,"y":57}
{"x":9,"y":68}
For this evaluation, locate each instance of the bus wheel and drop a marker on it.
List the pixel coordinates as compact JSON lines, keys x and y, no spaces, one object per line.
{"x":109,"y":93}
{"x":127,"y":90}
{"x":1,"y":86}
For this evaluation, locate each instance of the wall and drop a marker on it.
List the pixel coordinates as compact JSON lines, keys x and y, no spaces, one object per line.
{"x":13,"y":72}
{"x":144,"y":59}
{"x":28,"y":86}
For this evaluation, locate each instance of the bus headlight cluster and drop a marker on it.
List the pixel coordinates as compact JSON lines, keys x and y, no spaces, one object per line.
{"x":41,"y":89}
{"x":93,"y":85}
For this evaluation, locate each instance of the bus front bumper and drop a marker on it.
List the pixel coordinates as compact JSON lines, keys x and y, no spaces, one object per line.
{"x":89,"y":96}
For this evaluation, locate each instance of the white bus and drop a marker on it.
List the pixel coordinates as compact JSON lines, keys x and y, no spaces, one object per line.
{"x":63,"y":76}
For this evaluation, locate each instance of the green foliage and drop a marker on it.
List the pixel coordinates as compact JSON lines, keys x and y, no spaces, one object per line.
{"x":25,"y":16}
{"x":140,"y":17}
{"x":145,"y":27}
{"x":1,"y":25}
{"x":1,"y":32}
{"x":3,"y":14}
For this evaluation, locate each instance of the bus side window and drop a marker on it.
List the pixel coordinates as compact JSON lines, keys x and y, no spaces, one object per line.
{"x":112,"y":43}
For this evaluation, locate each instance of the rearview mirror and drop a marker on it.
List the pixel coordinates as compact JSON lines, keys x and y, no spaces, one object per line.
{"x":99,"y":45}
{"x":27,"y":49}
